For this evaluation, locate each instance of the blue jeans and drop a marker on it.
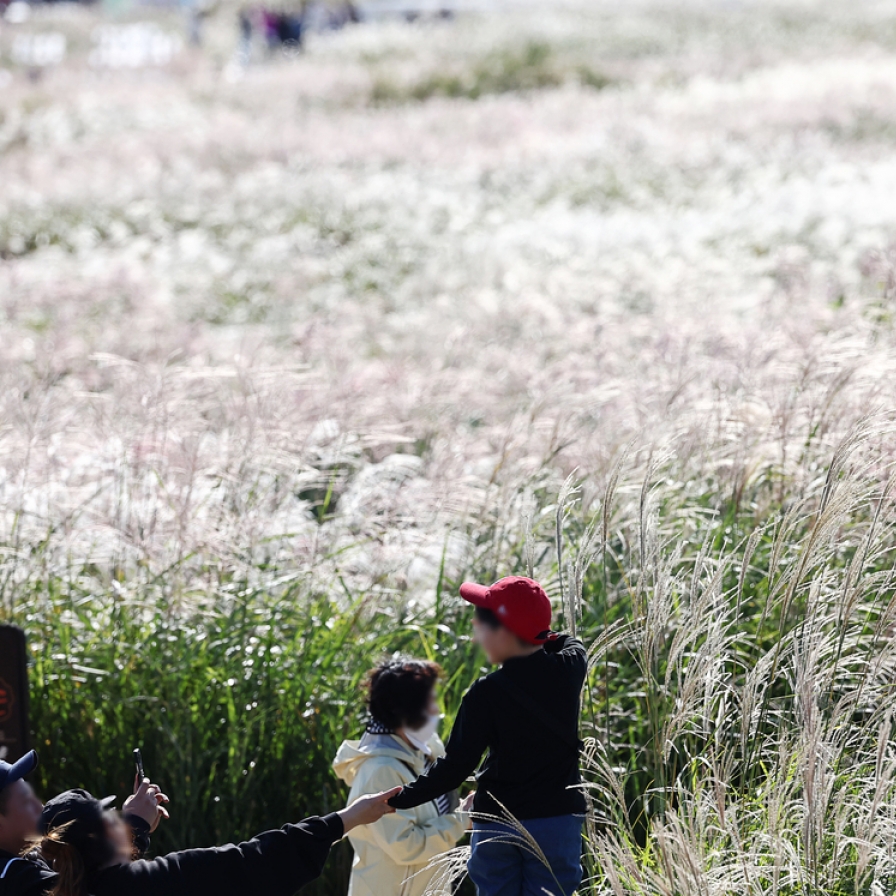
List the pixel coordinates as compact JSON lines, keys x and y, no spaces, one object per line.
{"x":502,"y":864}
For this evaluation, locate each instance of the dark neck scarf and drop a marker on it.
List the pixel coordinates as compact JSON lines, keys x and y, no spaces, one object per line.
{"x":376,"y":727}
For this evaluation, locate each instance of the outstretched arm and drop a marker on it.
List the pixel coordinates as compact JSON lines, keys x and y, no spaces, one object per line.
{"x":463,"y":752}
{"x":275,"y":863}
{"x":404,"y":838}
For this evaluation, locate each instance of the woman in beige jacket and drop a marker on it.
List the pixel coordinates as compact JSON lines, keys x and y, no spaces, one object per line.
{"x":393,"y":855}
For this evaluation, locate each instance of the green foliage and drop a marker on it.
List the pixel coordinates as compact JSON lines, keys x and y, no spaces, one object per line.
{"x":239,"y":704}
{"x":530,"y":67}
{"x":739,"y":657}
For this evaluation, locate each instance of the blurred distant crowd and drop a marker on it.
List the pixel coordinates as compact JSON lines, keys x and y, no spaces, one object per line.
{"x":282,"y":28}
{"x":262,"y":30}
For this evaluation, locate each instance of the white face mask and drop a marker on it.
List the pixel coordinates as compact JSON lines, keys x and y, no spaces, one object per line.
{"x":420,"y":737}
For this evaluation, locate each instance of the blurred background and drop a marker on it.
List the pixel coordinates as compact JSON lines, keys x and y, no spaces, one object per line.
{"x":308,"y":311}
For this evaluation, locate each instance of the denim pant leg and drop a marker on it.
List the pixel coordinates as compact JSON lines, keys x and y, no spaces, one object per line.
{"x":560,"y":839}
{"x":496,"y":861}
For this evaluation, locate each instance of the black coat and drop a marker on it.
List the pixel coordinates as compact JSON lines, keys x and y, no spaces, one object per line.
{"x":525,"y":715}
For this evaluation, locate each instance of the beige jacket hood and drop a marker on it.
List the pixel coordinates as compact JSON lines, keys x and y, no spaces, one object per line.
{"x":391,"y":856}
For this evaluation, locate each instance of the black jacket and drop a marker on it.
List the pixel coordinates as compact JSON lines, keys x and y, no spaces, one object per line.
{"x":532,"y":766}
{"x":24,"y":877}
{"x":31,"y":876}
{"x":275,"y":863}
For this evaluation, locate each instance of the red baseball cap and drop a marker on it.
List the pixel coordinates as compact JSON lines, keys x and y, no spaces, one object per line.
{"x":520,"y":604}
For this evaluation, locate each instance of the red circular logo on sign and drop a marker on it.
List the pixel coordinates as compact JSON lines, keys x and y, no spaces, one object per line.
{"x":7,"y":701}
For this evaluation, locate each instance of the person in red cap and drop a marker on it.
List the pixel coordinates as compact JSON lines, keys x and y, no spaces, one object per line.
{"x":525,"y":714}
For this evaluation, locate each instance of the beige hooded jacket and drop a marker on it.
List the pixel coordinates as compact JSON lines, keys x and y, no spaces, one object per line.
{"x":391,"y":855}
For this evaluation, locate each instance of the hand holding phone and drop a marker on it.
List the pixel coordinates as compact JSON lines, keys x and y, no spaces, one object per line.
{"x":147,"y":800}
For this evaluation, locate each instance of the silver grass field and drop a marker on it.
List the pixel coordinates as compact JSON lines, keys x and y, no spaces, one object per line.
{"x":603,"y":292}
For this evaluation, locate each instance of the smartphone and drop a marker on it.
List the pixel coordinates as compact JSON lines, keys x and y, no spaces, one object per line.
{"x":138,"y":762}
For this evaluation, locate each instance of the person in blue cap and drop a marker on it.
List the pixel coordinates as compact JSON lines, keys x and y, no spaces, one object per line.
{"x":20,"y":813}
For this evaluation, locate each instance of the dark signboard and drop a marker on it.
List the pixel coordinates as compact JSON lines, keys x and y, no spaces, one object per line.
{"x":13,"y":694}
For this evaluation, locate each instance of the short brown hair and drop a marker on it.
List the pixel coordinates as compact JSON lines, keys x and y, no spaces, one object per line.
{"x":398,"y":691}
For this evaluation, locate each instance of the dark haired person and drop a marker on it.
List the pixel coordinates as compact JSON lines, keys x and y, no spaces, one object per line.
{"x":20,"y":812}
{"x":526,"y":715}
{"x":400,"y":743}
{"x":87,"y":847}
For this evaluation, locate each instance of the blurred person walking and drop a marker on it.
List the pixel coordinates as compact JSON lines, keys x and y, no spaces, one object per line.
{"x":400,"y":744}
{"x":244,"y":21}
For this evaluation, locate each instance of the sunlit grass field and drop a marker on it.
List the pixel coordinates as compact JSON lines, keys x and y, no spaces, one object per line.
{"x":600,"y":291}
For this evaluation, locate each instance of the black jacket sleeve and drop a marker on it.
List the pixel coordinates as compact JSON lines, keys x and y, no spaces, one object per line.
{"x":463,"y":752}
{"x":24,"y":877}
{"x":275,"y":863}
{"x":140,"y":832}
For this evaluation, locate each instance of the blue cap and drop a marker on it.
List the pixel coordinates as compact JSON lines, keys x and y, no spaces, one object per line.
{"x":10,"y":773}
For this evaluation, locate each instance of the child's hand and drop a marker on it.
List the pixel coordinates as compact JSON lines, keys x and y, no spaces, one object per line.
{"x":368,"y":809}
